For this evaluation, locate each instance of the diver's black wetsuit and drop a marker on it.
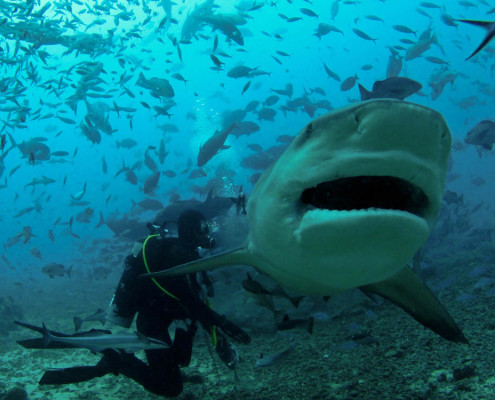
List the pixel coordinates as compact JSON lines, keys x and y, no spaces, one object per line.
{"x":156,"y":310}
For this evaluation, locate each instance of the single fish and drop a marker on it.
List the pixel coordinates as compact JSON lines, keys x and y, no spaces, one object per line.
{"x":55,"y":269}
{"x":214,"y":145}
{"x":394,"y":88}
{"x":265,"y":361}
{"x":128,"y":342}
{"x":288,"y":324}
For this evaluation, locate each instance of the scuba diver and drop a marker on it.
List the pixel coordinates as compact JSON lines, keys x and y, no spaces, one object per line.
{"x":157,"y":304}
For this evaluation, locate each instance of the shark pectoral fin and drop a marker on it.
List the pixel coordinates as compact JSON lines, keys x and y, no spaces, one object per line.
{"x":411,"y":294}
{"x":237,"y":256}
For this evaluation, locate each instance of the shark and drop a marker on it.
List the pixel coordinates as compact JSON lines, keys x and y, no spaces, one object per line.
{"x":347,"y":205}
{"x":95,"y":340}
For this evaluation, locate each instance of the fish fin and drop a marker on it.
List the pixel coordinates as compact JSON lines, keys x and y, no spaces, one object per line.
{"x":483,"y":24}
{"x":296,"y":300}
{"x":365,"y":94}
{"x":485,"y":41}
{"x":47,"y":337}
{"x":411,"y":294}
{"x":237,"y":256}
{"x":77,"y":323}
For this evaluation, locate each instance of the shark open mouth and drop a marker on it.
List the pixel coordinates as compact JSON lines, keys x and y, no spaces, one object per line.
{"x":367,"y":192}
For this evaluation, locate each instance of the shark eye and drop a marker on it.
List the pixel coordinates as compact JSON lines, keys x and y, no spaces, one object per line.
{"x":363,"y":192}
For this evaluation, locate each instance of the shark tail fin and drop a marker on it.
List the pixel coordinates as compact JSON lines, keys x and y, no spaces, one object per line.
{"x":411,"y":294}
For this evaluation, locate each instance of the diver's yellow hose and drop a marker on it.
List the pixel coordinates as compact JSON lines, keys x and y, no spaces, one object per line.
{"x":213,"y":332}
{"x":149,"y":272}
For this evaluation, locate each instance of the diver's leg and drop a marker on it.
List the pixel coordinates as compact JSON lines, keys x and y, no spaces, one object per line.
{"x":183,"y":344}
{"x":70,"y":375}
{"x":163,"y":376}
{"x":109,"y":363}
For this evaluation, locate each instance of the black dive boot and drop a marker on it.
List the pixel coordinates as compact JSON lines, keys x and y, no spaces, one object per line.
{"x":182,"y":346}
{"x":108,"y":364}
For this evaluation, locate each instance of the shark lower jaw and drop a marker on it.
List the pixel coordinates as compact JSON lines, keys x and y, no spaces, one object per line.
{"x":340,"y":250}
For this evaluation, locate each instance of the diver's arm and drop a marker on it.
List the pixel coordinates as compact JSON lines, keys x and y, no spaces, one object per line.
{"x":208,"y":319}
{"x":124,"y":304}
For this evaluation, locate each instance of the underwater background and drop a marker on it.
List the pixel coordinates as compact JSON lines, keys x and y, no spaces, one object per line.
{"x":104,"y":106}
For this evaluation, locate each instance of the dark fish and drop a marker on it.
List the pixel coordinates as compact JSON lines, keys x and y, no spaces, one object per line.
{"x":349,"y":83}
{"x":245,"y":128}
{"x":212,"y":207}
{"x":158,"y":86}
{"x":429,"y":5}
{"x":331,"y":74}
{"x":489,"y":26}
{"x":150,"y":204}
{"x":240,"y":71}
{"x":246,"y":87}
{"x":252,"y":105}
{"x":288,"y":324}
{"x":23,"y":211}
{"x":54,"y":269}
{"x":308,"y":12}
{"x":264,"y":296}
{"x":99,"y":316}
{"x":197,"y":173}
{"x":127,"y":143}
{"x":255,"y":147}
{"x":424,"y":43}
{"x":265,"y":361}
{"x":322,"y":30}
{"x":224,"y":23}
{"x":179,"y":77}
{"x":271,"y":100}
{"x":363,"y":35}
{"x":267,"y":114}
{"x":393,"y":88}
{"x":403,"y":29}
{"x":216,"y":61}
{"x":483,"y":134}
{"x":213,"y":145}
{"x":436,"y":60}
{"x":60,"y":153}
{"x":151,"y":183}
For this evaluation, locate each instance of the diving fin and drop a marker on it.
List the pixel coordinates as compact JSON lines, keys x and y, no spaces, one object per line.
{"x":411,"y":294}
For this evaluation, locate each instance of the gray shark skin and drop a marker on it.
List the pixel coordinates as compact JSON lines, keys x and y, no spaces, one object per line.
{"x":348,"y":204}
{"x":129,"y":342}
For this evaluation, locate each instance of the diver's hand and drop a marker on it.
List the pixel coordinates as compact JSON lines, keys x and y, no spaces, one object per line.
{"x":233,"y":331}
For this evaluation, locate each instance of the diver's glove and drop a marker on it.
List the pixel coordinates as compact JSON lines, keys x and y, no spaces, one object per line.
{"x":232,"y":330}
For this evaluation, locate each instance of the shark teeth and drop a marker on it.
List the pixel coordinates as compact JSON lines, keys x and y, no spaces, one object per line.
{"x":366,"y":193}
